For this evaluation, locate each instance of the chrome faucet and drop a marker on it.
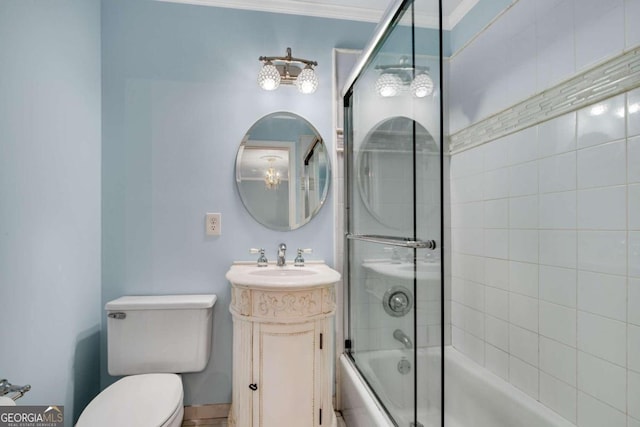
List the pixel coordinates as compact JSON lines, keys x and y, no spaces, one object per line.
{"x":282,"y":250}
{"x":403,"y":338}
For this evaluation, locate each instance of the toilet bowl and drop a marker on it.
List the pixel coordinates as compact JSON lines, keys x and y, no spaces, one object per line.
{"x":137,"y":400}
{"x":150,"y":340}
{"x":6,"y":401}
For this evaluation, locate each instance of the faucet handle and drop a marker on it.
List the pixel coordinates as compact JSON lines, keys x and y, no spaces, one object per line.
{"x":395,"y":256}
{"x":299,"y":261}
{"x":262,"y":260}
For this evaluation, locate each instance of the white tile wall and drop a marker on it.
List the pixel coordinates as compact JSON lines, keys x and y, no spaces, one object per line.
{"x":562,"y":308}
{"x":633,"y":103}
{"x":533,"y":46}
{"x":602,"y":251}
{"x":599,"y":29}
{"x":523,"y":376}
{"x":555,"y":42}
{"x":558,"y":135}
{"x":497,"y":361}
{"x":558,"y":173}
{"x":634,"y":395}
{"x":559,"y":396}
{"x":634,"y":207}
{"x":558,"y":285}
{"x":605,"y":338}
{"x":602,"y":165}
{"x":558,"y":360}
{"x":603,"y":294}
{"x":602,"y":380}
{"x":560,"y":261}
{"x":633,"y":341}
{"x":595,"y":413}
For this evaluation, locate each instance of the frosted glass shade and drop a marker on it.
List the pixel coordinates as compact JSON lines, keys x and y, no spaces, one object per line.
{"x":422,"y":85}
{"x":388,"y":84}
{"x":307,"y":81}
{"x":269,"y":77}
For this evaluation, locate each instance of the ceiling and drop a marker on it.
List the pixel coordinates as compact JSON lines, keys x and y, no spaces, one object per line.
{"x":357,"y":10}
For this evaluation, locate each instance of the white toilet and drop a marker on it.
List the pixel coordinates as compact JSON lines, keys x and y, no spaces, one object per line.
{"x":151,"y":339}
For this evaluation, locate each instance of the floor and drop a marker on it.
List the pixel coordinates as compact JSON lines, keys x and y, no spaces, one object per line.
{"x":222,"y":422}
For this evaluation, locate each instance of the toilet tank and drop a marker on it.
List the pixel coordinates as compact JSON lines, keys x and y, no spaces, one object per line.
{"x":156,"y":334}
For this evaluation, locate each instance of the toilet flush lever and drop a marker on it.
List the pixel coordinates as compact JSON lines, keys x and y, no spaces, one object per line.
{"x":117,"y":315}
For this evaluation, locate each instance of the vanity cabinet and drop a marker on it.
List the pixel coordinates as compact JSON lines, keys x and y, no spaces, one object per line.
{"x":282,"y":355}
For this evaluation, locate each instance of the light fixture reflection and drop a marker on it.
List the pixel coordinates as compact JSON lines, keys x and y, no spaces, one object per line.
{"x":422,"y":85}
{"x":271,"y":176}
{"x":388,"y":84}
{"x":598,"y":110}
{"x":397,"y":78}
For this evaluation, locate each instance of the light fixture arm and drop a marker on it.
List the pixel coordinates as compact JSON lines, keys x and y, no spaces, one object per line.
{"x":288,"y":58}
{"x":403,"y":65}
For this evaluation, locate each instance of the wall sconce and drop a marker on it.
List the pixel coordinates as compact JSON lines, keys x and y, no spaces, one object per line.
{"x":395,"y":78}
{"x":287,"y":70}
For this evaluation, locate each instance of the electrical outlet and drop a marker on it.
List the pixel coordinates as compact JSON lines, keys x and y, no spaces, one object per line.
{"x":213,"y":224}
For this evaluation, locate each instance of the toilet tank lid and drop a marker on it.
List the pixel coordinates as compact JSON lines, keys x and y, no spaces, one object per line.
{"x":164,"y":302}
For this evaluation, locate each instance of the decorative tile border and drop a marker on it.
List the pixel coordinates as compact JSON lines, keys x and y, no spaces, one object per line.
{"x":616,"y":76}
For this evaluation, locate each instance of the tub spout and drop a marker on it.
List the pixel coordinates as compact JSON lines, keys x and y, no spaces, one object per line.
{"x":403,"y":338}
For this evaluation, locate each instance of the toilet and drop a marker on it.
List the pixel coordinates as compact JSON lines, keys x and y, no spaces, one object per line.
{"x":150,"y":340}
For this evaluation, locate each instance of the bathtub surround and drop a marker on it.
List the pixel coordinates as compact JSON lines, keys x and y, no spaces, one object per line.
{"x":474,"y":397}
{"x":50,"y":200}
{"x":544,"y":233}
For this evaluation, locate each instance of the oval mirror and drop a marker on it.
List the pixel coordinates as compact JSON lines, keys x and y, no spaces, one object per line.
{"x":385,"y":166}
{"x":283,"y":171}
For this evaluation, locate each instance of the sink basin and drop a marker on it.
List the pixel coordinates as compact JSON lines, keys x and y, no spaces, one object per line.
{"x":312,"y":274}
{"x":424,"y":271}
{"x":421,"y":268}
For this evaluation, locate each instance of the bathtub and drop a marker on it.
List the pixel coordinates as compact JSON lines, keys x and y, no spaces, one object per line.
{"x":473,"y":396}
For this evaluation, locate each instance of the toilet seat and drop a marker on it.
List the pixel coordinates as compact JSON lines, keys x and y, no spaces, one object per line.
{"x":146,"y":400}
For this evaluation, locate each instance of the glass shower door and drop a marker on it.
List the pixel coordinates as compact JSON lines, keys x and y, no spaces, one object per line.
{"x":393,"y":219}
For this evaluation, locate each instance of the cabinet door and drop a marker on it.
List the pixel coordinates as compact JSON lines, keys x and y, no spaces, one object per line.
{"x":285,"y":358}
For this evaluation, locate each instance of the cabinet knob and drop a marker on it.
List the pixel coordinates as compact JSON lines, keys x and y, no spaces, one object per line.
{"x":253,"y":387}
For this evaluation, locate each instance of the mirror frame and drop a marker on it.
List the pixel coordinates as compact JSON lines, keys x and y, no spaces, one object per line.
{"x":308,"y":153}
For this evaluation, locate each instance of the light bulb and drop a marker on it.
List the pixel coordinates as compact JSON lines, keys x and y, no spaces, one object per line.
{"x":269,"y":77}
{"x":422,"y":85}
{"x":307,"y":81}
{"x":388,"y":84}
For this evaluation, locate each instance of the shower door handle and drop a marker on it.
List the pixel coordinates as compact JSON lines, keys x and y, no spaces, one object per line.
{"x":404,"y":242}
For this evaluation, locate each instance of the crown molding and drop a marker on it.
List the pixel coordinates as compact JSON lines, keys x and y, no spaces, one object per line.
{"x":333,"y":11}
{"x":293,"y":8}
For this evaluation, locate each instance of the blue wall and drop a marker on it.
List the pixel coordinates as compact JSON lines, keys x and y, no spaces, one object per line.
{"x":50,"y":114}
{"x":179,"y":92}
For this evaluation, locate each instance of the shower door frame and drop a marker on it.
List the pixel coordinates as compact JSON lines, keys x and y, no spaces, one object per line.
{"x":391,"y":17}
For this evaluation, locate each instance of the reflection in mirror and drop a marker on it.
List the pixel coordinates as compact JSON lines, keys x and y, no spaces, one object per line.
{"x":388,"y":192}
{"x":283,"y":171}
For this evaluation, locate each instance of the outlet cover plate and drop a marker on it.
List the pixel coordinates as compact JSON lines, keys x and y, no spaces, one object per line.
{"x":213,"y":224}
